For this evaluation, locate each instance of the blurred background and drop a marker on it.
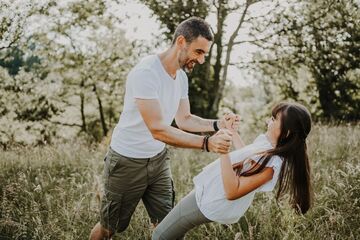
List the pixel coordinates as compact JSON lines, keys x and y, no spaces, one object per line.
{"x":63,"y":67}
{"x":63,"y":64}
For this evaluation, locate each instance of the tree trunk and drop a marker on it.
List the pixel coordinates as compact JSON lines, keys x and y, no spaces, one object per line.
{"x":222,"y":80}
{"x":82,"y":106}
{"x":101,"y":112}
{"x":222,"y":13}
{"x":326,"y":99}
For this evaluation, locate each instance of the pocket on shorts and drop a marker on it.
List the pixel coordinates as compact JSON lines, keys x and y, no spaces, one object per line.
{"x":112,"y":162}
{"x":110,"y":210}
{"x":110,"y":196}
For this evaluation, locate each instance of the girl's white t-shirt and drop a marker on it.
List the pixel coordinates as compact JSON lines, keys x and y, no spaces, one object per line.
{"x":147,"y":80}
{"x":209,"y":189}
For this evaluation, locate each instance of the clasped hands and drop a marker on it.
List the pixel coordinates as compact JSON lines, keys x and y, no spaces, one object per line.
{"x":221,"y":141}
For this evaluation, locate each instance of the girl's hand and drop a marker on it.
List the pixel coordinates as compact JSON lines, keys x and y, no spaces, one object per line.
{"x":232,"y":122}
{"x":228,"y":120}
{"x":235,"y":124}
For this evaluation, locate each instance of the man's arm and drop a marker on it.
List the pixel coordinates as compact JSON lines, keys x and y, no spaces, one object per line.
{"x":192,"y":123}
{"x":151,"y":113}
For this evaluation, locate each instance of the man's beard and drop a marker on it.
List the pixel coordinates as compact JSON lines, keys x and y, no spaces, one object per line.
{"x":188,"y":66}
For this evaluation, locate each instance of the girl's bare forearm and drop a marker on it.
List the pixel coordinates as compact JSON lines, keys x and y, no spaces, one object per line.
{"x":237,"y":141}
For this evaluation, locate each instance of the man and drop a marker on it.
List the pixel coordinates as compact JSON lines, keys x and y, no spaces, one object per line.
{"x":137,"y":166}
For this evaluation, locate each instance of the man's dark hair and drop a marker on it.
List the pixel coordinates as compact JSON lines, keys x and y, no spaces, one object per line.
{"x":192,"y":28}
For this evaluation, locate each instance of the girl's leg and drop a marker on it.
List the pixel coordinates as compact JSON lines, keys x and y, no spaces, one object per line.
{"x":185,"y":216}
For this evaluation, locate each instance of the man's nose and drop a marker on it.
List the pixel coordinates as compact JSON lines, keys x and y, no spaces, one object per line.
{"x":201,"y":59}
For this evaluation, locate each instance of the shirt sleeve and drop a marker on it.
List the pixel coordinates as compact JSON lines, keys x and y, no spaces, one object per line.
{"x":275,"y":162}
{"x":144,"y":84}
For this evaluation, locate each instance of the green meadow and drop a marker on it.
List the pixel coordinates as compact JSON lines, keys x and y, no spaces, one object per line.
{"x":53,"y":192}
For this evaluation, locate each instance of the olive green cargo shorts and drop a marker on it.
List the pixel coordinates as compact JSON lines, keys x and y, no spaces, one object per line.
{"x":127,"y":180}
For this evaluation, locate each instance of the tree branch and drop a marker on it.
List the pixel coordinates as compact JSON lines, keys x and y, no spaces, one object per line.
{"x":11,"y":43}
{"x":64,"y":124}
{"x":227,"y":58}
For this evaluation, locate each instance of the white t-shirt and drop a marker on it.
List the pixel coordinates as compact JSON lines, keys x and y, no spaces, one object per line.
{"x":209,"y":189}
{"x":147,"y":80}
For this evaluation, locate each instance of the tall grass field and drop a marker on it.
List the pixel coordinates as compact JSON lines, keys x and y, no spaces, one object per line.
{"x":53,"y":192}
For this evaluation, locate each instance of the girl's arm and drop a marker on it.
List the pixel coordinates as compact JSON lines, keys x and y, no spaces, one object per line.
{"x":237,"y":141}
{"x":236,"y":187}
{"x":233,"y":125}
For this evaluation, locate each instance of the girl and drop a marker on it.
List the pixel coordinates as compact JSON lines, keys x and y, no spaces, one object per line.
{"x":225,"y":188}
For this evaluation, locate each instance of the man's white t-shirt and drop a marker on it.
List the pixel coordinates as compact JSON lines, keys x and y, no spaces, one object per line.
{"x":209,"y":189}
{"x":147,"y":80}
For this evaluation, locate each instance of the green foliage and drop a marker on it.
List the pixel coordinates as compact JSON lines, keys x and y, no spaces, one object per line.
{"x":171,"y":13}
{"x":95,"y":58}
{"x":61,"y":57}
{"x":27,"y":104}
{"x":53,"y":192}
{"x":13,"y":61}
{"x":202,"y":90}
{"x":321,"y":38}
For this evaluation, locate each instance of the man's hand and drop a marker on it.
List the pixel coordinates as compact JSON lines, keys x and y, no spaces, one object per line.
{"x":224,"y":120}
{"x":220,"y":142}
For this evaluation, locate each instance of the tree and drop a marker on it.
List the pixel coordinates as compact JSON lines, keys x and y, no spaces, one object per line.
{"x":66,"y":56}
{"x":322,"y":39}
{"x":26,"y":103}
{"x":94,"y":58}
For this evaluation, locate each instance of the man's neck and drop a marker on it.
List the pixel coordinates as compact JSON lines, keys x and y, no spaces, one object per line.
{"x":169,"y":60}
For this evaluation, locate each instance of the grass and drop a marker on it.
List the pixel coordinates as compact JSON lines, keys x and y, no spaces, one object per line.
{"x":53,"y":192}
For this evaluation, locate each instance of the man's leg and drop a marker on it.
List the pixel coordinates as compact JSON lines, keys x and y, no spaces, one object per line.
{"x":100,"y":233}
{"x":124,"y":185}
{"x":159,"y":194}
{"x":116,"y":213}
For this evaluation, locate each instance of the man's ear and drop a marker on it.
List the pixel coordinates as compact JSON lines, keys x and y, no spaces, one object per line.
{"x":180,"y":41}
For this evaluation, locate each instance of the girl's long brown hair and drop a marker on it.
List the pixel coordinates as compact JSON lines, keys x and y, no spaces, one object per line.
{"x":291,"y":147}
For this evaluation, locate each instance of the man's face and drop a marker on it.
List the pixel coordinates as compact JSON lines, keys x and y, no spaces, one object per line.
{"x":193,"y":53}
